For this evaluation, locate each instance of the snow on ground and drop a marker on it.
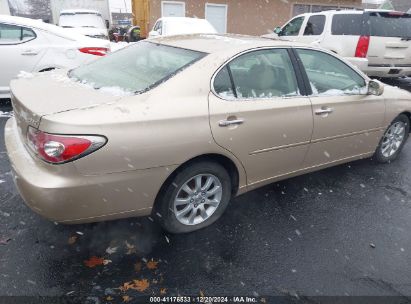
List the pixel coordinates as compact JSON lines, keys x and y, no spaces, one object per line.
{"x":6,"y":114}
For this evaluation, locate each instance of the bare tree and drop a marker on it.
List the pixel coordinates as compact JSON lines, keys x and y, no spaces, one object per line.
{"x":40,"y":9}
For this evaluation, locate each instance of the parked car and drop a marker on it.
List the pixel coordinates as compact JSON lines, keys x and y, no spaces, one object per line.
{"x":86,"y":22}
{"x":34,"y":46}
{"x":176,"y":127}
{"x":168,"y":26}
{"x":377,"y":41}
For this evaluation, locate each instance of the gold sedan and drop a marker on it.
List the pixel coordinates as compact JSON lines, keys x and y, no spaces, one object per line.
{"x":175,"y":127}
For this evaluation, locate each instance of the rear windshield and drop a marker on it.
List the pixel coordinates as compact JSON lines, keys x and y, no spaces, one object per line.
{"x":390,"y":24}
{"x":93,"y":20}
{"x":136,"y":68}
{"x":347,"y":24}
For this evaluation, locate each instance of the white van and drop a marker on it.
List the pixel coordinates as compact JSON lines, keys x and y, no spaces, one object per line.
{"x":84,"y":21}
{"x":168,"y":26}
{"x":377,"y":41}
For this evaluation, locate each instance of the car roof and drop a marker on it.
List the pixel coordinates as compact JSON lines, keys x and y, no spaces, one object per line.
{"x":348,"y":11}
{"x":179,"y":18}
{"x":39,"y":24}
{"x":212,"y":43}
{"x":75,"y":11}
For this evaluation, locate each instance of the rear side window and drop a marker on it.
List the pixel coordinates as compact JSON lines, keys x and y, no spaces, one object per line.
{"x":315,"y":25}
{"x":390,"y":24}
{"x":347,"y":24}
{"x":13,"y":34}
{"x":257,"y":74}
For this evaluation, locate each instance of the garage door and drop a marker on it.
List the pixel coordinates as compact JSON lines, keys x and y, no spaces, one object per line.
{"x":216,"y":14}
{"x":173,"y":9}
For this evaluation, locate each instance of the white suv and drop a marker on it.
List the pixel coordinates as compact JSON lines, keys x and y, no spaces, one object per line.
{"x":377,"y":41}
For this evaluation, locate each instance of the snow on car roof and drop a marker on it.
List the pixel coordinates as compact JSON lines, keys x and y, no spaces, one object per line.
{"x":39,"y":24}
{"x":211,"y":43}
{"x":76,"y":11}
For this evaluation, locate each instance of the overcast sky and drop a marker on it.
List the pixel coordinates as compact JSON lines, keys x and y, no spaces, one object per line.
{"x":123,"y":5}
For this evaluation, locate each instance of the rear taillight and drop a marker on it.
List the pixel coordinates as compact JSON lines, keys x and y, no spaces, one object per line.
{"x":98,"y":51}
{"x":362,"y":47}
{"x":57,"y":149}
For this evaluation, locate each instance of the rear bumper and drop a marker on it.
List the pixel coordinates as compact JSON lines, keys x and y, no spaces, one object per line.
{"x":379,"y":70}
{"x":61,"y":194}
{"x":387,"y":71}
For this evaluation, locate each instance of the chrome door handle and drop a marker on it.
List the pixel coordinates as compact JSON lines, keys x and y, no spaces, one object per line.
{"x":323,"y":111}
{"x":226,"y":123}
{"x":30,"y":52}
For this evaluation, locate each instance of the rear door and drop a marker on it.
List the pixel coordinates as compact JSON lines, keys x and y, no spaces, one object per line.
{"x":258,"y":112}
{"x":347,"y":122}
{"x":390,"y":42}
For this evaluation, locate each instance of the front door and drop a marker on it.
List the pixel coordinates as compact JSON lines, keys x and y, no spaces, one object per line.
{"x":258,"y":114}
{"x":347,"y":121}
{"x":292,"y":29}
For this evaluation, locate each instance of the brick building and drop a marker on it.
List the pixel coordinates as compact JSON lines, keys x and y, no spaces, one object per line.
{"x":253,"y":17}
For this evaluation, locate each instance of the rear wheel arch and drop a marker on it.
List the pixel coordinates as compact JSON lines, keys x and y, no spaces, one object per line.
{"x":220,"y":159}
{"x":408,"y":114}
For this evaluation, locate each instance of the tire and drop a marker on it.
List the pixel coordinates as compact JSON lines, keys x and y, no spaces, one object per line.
{"x":177,"y":216}
{"x":393,"y":140}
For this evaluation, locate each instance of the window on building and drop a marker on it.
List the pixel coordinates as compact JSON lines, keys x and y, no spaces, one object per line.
{"x":299,"y":9}
{"x":308,"y":8}
{"x":321,"y":8}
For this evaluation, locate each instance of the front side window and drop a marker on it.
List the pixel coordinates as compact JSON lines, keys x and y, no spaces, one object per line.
{"x":136,"y":68}
{"x":158,"y":27}
{"x":315,"y":25}
{"x":329,"y":75}
{"x":13,"y":34}
{"x":292,"y":28}
{"x":257,"y":74}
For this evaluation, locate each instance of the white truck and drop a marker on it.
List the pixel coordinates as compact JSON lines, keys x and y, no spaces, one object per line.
{"x":4,"y":8}
{"x":88,"y":17}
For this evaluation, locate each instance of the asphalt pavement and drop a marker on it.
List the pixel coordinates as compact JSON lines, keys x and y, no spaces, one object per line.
{"x":343,"y":231}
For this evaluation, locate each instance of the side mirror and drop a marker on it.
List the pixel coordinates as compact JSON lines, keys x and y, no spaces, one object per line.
{"x":107,"y":24}
{"x":277,"y":30}
{"x":375,"y":87}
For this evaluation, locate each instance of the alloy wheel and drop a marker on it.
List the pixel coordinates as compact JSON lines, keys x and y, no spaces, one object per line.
{"x":197,"y":199}
{"x":393,"y":139}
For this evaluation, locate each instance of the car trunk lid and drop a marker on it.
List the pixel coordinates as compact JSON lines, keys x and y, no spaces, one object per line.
{"x":50,"y":93}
